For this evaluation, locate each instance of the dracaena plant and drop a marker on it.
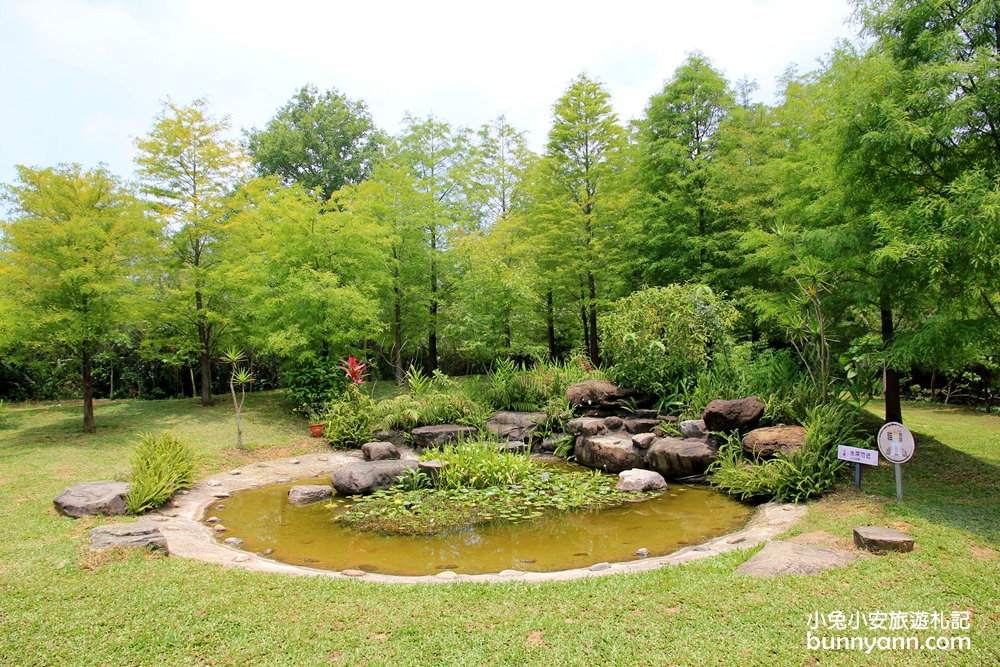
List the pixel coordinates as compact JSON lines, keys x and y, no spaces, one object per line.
{"x":238,"y":376}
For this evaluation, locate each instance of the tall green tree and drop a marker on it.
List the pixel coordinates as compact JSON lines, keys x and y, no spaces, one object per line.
{"x":71,"y":253}
{"x":321,"y":141}
{"x":924,"y":155}
{"x":576,"y":203}
{"x":435,"y":155}
{"x":188,"y":166}
{"x":678,"y":142}
{"x":315,"y":272}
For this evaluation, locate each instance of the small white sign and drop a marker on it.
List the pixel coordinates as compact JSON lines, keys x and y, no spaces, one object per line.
{"x":857,"y":455}
{"x":896,"y":442}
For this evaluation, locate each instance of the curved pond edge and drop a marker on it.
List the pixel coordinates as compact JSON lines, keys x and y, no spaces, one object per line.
{"x":188,"y":537}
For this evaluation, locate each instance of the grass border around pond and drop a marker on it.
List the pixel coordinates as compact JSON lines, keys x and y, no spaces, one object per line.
{"x":188,"y":537}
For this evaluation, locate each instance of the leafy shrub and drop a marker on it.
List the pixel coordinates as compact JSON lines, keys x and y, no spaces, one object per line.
{"x":160,"y":465}
{"x":752,"y":370}
{"x":350,"y":419}
{"x":805,"y":474}
{"x":658,"y":336}
{"x":429,"y":400}
{"x":313,"y":383}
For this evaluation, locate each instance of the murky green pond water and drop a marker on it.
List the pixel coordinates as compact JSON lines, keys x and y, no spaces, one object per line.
{"x":308,"y":536}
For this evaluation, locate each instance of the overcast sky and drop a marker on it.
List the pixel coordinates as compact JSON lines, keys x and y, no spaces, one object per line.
{"x":79,"y":79}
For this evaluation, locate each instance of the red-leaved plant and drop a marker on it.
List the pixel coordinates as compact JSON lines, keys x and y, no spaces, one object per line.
{"x":354,"y":369}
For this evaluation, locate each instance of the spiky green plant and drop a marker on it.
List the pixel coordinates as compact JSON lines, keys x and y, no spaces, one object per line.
{"x":160,"y":466}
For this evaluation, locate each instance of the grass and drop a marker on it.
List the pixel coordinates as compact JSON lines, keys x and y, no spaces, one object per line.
{"x":65,"y":606}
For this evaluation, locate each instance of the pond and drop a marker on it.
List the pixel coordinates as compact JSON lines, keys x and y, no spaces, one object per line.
{"x":308,"y":535}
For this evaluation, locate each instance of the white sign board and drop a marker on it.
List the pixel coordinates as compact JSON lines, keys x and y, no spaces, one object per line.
{"x":896,"y":442}
{"x":857,"y":455}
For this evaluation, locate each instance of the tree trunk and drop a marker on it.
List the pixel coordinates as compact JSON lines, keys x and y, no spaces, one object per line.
{"x":397,"y":338}
{"x":206,"y":378}
{"x":550,"y":324}
{"x":595,"y":350}
{"x":893,"y":409}
{"x":88,"y":395}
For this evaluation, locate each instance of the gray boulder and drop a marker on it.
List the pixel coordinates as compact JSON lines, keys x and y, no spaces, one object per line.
{"x":359,"y":479}
{"x":441,"y":434}
{"x":742,"y":414}
{"x":679,"y":457}
{"x":107,"y":498}
{"x":303,"y":494}
{"x":515,"y":425}
{"x":693,"y":428}
{"x":432,"y":469}
{"x":138,"y":534}
{"x":379,"y":451}
{"x":766,"y":443}
{"x":640,"y":481}
{"x":610,"y":453}
{"x":515,"y":446}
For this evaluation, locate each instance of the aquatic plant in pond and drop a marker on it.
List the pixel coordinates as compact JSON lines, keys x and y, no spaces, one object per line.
{"x":404,"y":510}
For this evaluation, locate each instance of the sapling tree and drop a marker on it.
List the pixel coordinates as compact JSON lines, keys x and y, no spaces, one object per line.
{"x":238,"y":375}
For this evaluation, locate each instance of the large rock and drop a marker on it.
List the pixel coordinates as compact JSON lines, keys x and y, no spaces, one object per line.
{"x":742,"y":414}
{"x":601,"y":398}
{"x":778,"y":558}
{"x":515,"y":425}
{"x":359,"y":479}
{"x":441,"y":434}
{"x":610,"y":453}
{"x":766,"y":443}
{"x":303,"y":494}
{"x":89,"y":498}
{"x":379,"y":451}
{"x":679,"y":457}
{"x":592,"y":393}
{"x":138,"y":534}
{"x":640,"y":481}
{"x":585,"y":426}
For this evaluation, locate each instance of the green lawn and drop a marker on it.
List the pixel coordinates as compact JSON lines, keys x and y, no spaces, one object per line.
{"x":62,"y":605}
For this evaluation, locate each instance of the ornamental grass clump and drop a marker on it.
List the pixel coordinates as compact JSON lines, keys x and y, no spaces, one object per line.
{"x":479,"y":465}
{"x":160,"y":466}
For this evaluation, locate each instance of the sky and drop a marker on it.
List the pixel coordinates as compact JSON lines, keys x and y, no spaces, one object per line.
{"x":80,"y":79}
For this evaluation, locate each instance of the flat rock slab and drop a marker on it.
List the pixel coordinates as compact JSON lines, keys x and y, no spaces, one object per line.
{"x":304,"y":494}
{"x":777,"y":558}
{"x":880,"y":540}
{"x":139,"y":534}
{"x":90,"y":498}
{"x":442,"y":434}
